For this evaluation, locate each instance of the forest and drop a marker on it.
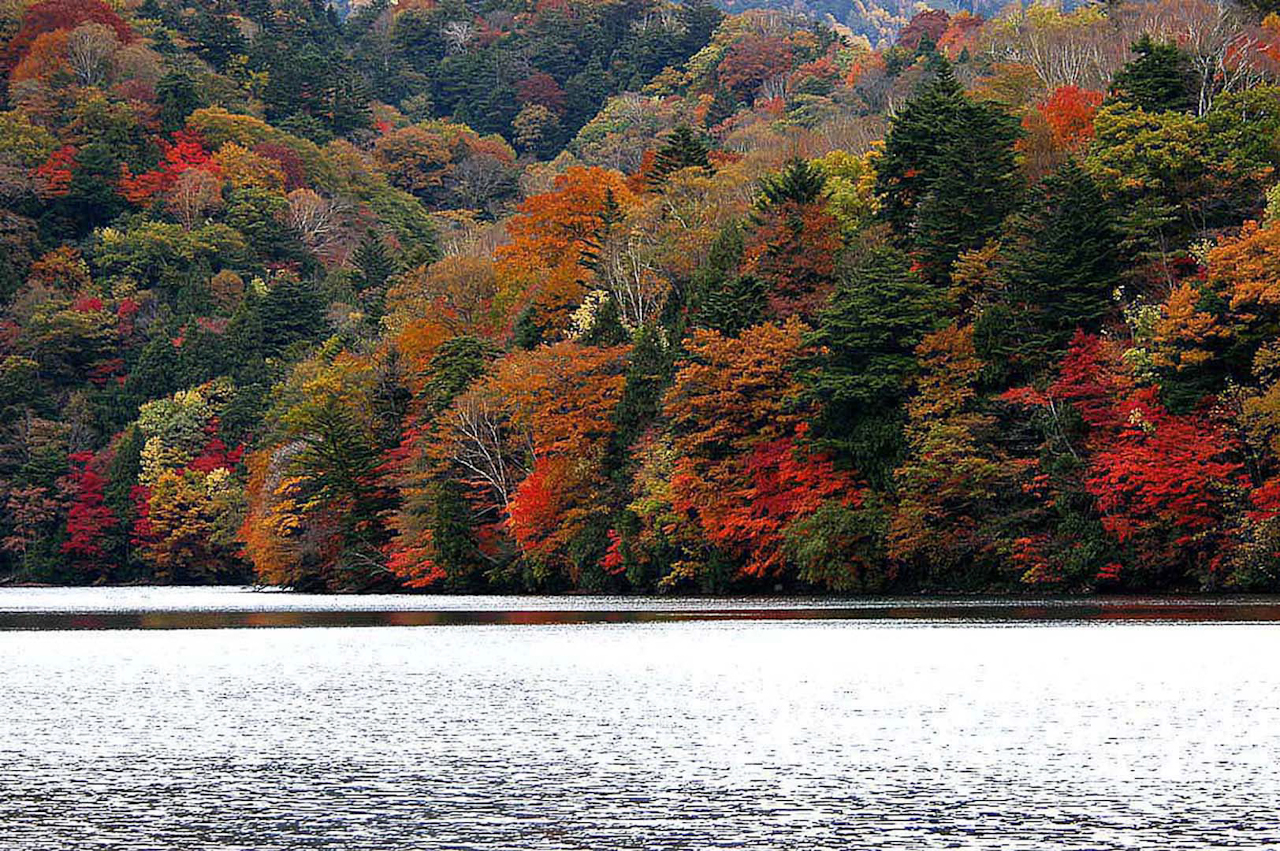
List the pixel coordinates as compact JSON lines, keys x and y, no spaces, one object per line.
{"x":639,"y":297}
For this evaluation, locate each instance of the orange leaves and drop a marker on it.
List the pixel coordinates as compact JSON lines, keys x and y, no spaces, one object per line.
{"x":1070,"y":111}
{"x":529,"y":443}
{"x":562,"y":225}
{"x":548,"y":508}
{"x":45,"y":60}
{"x":1184,"y":333}
{"x":456,"y":291}
{"x":740,"y":470}
{"x":731,"y":390}
{"x":1246,"y":268}
{"x":52,"y":15}
{"x":563,"y":396}
{"x":560,"y":400}
{"x":418,"y":341}
{"x":553,"y":237}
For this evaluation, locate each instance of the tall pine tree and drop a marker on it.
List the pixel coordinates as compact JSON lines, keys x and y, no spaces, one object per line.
{"x":1060,"y":267}
{"x":683,"y":148}
{"x":947,"y":176}
{"x":867,"y":337}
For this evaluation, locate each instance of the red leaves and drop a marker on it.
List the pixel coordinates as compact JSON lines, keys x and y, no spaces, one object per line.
{"x":613,"y":562}
{"x":778,"y":483}
{"x":752,"y":61}
{"x":1164,"y":469}
{"x":1162,"y":481}
{"x":51,"y":15}
{"x":184,"y":153}
{"x":537,"y":505}
{"x":215,"y":455}
{"x":55,"y":172}
{"x":793,"y":253}
{"x":88,"y":519}
{"x":542,"y":89}
{"x":1093,"y":379}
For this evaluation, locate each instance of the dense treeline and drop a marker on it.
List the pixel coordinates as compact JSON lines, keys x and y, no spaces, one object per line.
{"x":634,"y":296}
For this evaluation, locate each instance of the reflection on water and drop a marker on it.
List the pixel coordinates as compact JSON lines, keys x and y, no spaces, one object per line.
{"x":211,"y":608}
{"x":796,"y":734}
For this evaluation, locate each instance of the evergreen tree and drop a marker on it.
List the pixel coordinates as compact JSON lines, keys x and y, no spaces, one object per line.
{"x":1060,"y":266}
{"x":868,"y":333}
{"x":737,"y":304}
{"x":947,"y":177}
{"x":373,"y":262}
{"x":798,"y":183}
{"x":454,"y":366}
{"x":684,"y":147}
{"x":92,"y":198}
{"x":1158,"y":80}
{"x":975,"y":184}
{"x":178,"y":97}
{"x":649,"y":372}
{"x":156,"y":373}
{"x":723,"y":106}
{"x":453,"y":535}
{"x":292,"y":311}
{"x":526,"y":332}
{"x":218,"y":39}
{"x":907,"y":164}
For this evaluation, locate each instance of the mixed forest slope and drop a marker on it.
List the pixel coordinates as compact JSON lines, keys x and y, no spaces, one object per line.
{"x":637,"y":296}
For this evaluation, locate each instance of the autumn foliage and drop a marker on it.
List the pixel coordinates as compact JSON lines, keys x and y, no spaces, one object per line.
{"x":640,"y":297}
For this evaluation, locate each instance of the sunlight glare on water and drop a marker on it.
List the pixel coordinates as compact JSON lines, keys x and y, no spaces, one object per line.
{"x":690,"y":735}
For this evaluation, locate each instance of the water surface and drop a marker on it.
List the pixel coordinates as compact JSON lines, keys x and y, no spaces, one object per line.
{"x":225,"y":607}
{"x":771,"y":733}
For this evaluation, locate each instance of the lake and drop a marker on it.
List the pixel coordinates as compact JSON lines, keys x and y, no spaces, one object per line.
{"x":597,"y":723}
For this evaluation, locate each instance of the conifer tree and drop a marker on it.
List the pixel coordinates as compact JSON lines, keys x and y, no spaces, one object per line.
{"x":292,"y":311}
{"x":947,"y":176}
{"x":868,"y":333}
{"x":799,"y":183}
{"x":373,"y":262}
{"x":1060,"y":266}
{"x":974,"y":186}
{"x":683,"y":148}
{"x":1158,"y":80}
{"x":905,"y":167}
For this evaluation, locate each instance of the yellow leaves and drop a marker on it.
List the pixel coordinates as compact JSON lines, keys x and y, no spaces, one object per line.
{"x":62,"y":270}
{"x":850,"y":188}
{"x":456,"y":291}
{"x":949,"y":368}
{"x":243,"y":168}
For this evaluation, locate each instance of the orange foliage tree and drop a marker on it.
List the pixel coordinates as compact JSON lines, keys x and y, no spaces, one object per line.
{"x":742,"y":473}
{"x":554,"y":235}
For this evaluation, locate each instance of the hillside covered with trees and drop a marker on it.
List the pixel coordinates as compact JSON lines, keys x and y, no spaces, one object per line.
{"x":634,"y":296}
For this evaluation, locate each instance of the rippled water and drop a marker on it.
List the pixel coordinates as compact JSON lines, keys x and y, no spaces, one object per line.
{"x":682,"y":734}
